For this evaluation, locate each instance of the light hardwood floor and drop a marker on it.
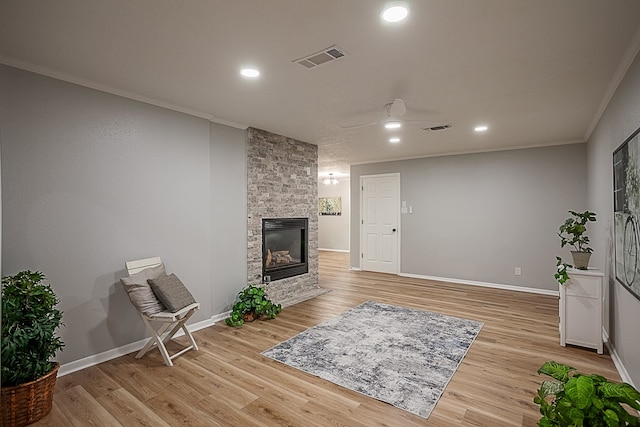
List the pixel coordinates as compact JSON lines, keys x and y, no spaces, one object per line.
{"x":228,"y":383}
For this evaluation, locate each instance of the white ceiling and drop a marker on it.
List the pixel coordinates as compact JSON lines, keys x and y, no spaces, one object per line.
{"x":537,"y":72}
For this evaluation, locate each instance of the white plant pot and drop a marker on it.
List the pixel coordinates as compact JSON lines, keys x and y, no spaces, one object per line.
{"x":580,"y":259}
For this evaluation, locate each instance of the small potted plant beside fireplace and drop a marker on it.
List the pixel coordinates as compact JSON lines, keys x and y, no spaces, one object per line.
{"x":252,"y":304}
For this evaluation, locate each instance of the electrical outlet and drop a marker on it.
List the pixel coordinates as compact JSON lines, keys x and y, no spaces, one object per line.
{"x":518,"y":271}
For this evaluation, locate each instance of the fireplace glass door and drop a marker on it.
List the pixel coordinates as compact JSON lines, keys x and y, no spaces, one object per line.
{"x":284,"y":248}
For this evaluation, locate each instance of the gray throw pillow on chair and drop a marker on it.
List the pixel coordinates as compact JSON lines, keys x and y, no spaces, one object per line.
{"x":172,"y":292}
{"x":140,"y":293}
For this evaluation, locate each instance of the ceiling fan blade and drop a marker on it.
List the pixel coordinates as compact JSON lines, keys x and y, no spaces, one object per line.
{"x":397,"y":108}
{"x":362,"y":125}
{"x":424,"y":121}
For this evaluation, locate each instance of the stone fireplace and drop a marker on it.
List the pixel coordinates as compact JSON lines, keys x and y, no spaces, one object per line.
{"x":282,"y":185}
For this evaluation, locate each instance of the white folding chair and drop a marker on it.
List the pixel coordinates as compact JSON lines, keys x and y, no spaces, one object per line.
{"x":167,"y":323}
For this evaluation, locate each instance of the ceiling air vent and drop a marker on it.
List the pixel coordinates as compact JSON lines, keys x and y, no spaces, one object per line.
{"x":437,"y":128}
{"x":326,"y":55}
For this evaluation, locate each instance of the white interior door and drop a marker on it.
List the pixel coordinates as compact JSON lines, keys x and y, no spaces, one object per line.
{"x":380,"y":222}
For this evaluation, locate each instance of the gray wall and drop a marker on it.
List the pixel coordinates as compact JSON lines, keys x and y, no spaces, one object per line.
{"x":333,"y":231}
{"x":90,"y":180}
{"x":478,"y":216}
{"x":228,"y":214}
{"x":620,"y":119}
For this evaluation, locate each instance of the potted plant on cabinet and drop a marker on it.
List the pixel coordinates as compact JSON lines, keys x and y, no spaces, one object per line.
{"x":29,"y":342}
{"x":576,"y":399}
{"x":252,"y":304}
{"x":573,"y":232}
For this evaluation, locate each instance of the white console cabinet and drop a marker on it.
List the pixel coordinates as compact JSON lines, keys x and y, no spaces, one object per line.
{"x":581,"y":306}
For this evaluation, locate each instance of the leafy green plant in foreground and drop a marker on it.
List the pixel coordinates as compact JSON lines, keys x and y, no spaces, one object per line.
{"x":29,"y":322}
{"x":576,"y":399}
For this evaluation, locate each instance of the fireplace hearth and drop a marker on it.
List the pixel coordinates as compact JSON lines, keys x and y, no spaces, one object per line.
{"x":284,"y":248}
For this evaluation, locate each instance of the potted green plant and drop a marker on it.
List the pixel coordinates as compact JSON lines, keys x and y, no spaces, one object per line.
{"x":29,"y":342}
{"x":252,"y":303}
{"x":576,"y":399}
{"x":573,"y":232}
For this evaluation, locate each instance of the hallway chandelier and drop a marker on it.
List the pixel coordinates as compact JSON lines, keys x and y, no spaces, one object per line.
{"x":330,"y":180}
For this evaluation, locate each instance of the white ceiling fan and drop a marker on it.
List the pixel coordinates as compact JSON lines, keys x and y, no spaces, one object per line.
{"x":394,"y":117}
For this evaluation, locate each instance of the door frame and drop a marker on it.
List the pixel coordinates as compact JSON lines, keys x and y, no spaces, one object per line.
{"x":399,"y":213}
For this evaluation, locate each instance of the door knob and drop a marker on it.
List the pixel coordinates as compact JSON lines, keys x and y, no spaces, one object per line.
{"x":394,"y":230}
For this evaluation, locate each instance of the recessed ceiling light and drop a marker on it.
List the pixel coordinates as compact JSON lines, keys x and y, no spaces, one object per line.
{"x":250,"y":72}
{"x":393,"y":124}
{"x":395,"y":13}
{"x":481,"y":128}
{"x":394,"y":140}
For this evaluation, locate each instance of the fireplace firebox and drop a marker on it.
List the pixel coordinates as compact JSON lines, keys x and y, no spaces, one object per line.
{"x":284,"y":248}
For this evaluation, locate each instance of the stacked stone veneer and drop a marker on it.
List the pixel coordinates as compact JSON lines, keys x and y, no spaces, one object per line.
{"x":280,"y":187}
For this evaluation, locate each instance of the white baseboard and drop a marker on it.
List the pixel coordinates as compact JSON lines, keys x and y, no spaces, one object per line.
{"x":483,"y":284}
{"x":334,"y":250}
{"x":622,"y":371}
{"x":355,"y":268}
{"x":95,"y":359}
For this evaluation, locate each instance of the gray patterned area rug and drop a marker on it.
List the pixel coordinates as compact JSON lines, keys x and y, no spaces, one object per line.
{"x":401,"y":356}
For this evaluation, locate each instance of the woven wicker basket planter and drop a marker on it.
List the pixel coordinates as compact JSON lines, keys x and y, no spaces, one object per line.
{"x":249,"y":317}
{"x":27,"y":403}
